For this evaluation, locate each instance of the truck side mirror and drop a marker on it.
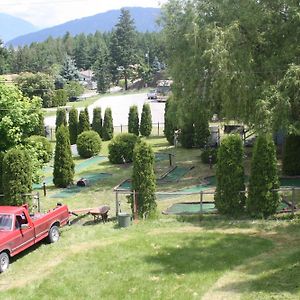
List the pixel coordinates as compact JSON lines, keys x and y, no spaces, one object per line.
{"x":24,"y":226}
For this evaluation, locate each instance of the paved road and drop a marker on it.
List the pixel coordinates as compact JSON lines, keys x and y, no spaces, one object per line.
{"x":120,"y":108}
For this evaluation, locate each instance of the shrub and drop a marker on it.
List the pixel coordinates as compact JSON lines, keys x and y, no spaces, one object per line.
{"x":42,"y":147}
{"x":97,"y":121}
{"x":40,"y":128}
{"x":206,"y":153}
{"x":108,"y":128}
{"x":291,"y":161}
{"x":63,"y":172}
{"x":121,"y":148}
{"x":143,"y":179}
{"x":83,"y":124}
{"x":146,"y":121}
{"x":230,"y":176}
{"x":73,"y":125}
{"x":262,"y":201}
{"x":17,"y":177}
{"x":88,"y":144}
{"x":61,"y":117}
{"x":133,"y":120}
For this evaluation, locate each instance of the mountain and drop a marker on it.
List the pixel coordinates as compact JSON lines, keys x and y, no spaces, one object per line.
{"x":11,"y":27}
{"x":145,"y":20}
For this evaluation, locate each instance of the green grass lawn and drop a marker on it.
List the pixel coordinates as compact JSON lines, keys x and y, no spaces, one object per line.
{"x":211,"y":257}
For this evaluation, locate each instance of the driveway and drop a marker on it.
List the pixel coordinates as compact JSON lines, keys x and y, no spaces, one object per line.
{"x":120,"y":108}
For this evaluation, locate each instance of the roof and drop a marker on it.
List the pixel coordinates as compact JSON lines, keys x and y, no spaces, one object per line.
{"x":11,"y":209}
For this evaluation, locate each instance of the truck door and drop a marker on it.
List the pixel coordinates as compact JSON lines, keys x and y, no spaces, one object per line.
{"x":24,"y":233}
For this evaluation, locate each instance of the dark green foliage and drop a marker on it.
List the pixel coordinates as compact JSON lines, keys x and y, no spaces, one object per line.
{"x":230,"y":176}
{"x":186,"y":136}
{"x":73,"y":125}
{"x":291,"y":154}
{"x":60,"y":97}
{"x":84,"y":123}
{"x":43,"y":147}
{"x":1,"y":173}
{"x":88,"y":144}
{"x":63,"y":172}
{"x":101,"y":71}
{"x":40,"y":128}
{"x":170,"y":120}
{"x":108,"y":128}
{"x":97,"y":120}
{"x":201,"y":130}
{"x":133,"y":120}
{"x":146,"y":121}
{"x":209,"y":152}
{"x":262,"y":201}
{"x":121,"y":148}
{"x":61,"y":117}
{"x":17,"y":177}
{"x":73,"y":89}
{"x":143,"y":179}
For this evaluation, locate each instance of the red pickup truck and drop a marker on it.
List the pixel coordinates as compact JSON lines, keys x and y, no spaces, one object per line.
{"x":19,"y":230}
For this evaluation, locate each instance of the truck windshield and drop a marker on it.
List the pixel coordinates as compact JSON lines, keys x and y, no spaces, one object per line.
{"x":5,"y":222}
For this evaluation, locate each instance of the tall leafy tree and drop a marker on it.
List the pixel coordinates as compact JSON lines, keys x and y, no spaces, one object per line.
{"x":63,"y":172}
{"x":122,"y":47}
{"x":3,"y":58}
{"x":108,"y":127}
{"x":146,"y":121}
{"x":143,"y":179}
{"x":229,"y":197}
{"x":101,"y":70}
{"x":19,"y":116}
{"x":262,"y":200}
{"x":133,"y":120}
{"x":73,"y":125}
{"x":97,"y":121}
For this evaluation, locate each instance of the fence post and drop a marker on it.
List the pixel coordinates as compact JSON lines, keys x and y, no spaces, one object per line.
{"x":38,"y":202}
{"x":135,"y":208}
{"x":121,"y":129}
{"x":293,"y":201}
{"x":117,"y":204}
{"x":158,"y":128}
{"x":201,"y":202}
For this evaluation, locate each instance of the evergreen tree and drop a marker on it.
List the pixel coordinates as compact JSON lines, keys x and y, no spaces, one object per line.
{"x":187,"y":134}
{"x":143,"y":179}
{"x":17,"y":177}
{"x":201,"y":128}
{"x":61,"y":117}
{"x":123,"y":45}
{"x":97,"y":121}
{"x":63,"y":172}
{"x":83,"y":124}
{"x":146,"y":121}
{"x":1,"y":173}
{"x":262,"y":201}
{"x":69,"y":70}
{"x":170,"y":120}
{"x":73,"y":125}
{"x":291,"y":161}
{"x":86,"y":111}
{"x":40,"y":128}
{"x":108,"y":127}
{"x":229,"y":197}
{"x":102,"y":71}
{"x":133,"y":120}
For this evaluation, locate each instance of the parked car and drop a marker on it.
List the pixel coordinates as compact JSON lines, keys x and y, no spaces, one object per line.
{"x":152,"y":94}
{"x":20,"y":230}
{"x":73,"y":99}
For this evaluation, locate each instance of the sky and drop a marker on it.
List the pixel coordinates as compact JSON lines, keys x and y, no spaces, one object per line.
{"x":46,"y":13}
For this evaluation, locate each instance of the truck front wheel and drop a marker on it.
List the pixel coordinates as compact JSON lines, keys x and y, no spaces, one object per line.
{"x":53,"y":236}
{"x":4,"y":261}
